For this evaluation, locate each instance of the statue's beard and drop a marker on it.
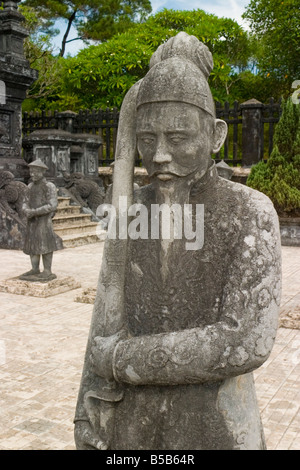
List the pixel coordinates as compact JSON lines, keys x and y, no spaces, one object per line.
{"x":176,"y":190}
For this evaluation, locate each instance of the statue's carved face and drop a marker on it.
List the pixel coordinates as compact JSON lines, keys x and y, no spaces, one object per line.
{"x":174,"y":139}
{"x":36,"y":173}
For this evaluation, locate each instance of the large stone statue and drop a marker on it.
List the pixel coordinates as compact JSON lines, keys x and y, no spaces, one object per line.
{"x":179,"y":326}
{"x":40,"y":239}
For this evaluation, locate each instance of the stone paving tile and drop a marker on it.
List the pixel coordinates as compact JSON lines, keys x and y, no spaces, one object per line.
{"x":42,"y":346}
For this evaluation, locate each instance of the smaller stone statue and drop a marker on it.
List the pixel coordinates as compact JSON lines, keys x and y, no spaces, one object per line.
{"x":40,"y":239}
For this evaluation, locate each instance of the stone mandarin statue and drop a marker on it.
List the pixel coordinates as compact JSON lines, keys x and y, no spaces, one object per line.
{"x":176,"y":333}
{"x":40,"y":239}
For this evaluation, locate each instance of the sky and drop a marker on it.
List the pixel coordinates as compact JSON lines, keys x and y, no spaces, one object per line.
{"x":222,"y":8}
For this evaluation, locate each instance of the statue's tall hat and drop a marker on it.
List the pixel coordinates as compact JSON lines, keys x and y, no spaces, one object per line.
{"x":179,"y":71}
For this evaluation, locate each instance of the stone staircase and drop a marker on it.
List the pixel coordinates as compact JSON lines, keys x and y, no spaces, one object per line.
{"x":74,"y":227}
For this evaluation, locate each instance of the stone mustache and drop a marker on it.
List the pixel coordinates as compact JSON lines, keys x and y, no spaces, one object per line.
{"x":176,"y":333}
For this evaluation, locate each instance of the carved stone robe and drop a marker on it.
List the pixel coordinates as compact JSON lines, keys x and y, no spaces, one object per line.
{"x":40,"y":237}
{"x":198,"y":327}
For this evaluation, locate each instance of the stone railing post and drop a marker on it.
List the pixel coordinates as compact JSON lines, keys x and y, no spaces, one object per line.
{"x":252,"y":132}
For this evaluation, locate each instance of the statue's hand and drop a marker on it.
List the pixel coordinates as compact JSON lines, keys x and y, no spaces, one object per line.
{"x":29,"y":212}
{"x":86,"y":439}
{"x":102,"y":351}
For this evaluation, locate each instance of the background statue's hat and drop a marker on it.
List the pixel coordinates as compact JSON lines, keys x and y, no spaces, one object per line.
{"x":39,"y":164}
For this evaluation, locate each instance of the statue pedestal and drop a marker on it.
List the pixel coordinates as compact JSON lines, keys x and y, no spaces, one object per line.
{"x":87,"y":296}
{"x":39,"y":289}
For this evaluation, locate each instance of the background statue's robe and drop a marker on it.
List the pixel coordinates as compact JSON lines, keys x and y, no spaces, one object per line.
{"x":198,"y":328}
{"x":40,"y":237}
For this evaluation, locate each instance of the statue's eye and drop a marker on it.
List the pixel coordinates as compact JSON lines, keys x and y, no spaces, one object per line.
{"x":147,"y":140}
{"x":177,"y":138}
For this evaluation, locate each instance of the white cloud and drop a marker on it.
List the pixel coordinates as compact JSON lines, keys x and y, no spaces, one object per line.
{"x":222,"y":8}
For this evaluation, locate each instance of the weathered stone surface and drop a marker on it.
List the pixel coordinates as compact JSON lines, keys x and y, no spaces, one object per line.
{"x":290,"y":313}
{"x":12,"y":231}
{"x":74,"y":227}
{"x":16,"y":76}
{"x":12,"y":217}
{"x":63,"y":152}
{"x":180,"y":323}
{"x":224,"y":170}
{"x":84,"y":191}
{"x":87,"y":296}
{"x":38,"y":288}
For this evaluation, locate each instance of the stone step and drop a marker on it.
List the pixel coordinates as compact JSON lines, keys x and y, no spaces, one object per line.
{"x":76,"y":229}
{"x":70,"y":241}
{"x":68,"y":210}
{"x":64,"y":220}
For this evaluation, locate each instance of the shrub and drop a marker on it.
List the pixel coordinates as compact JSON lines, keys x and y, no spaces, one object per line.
{"x":279,"y":177}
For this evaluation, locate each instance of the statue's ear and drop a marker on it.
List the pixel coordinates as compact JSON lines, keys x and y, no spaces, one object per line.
{"x":220,"y":134}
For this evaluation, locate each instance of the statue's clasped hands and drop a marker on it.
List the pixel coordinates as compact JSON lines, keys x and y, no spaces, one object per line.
{"x":29,"y":212}
{"x":102,"y":351}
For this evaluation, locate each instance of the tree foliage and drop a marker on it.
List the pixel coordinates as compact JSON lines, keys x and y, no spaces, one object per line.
{"x":276,"y":26}
{"x":100,"y":76}
{"x":93,"y":19}
{"x":39,"y":53}
{"x":279,"y":178}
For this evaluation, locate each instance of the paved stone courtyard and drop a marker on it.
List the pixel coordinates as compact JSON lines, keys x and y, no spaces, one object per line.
{"x":42,"y":345}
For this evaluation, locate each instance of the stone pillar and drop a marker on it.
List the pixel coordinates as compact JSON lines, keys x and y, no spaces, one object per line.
{"x":66,"y":120}
{"x":16,"y":76}
{"x":252,"y":132}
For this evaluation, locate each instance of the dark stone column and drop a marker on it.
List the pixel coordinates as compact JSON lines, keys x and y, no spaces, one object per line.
{"x":16,"y":76}
{"x":252,"y":131}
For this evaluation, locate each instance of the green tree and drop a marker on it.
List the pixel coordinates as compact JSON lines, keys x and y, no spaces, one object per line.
{"x":279,"y":178}
{"x":100,"y":76}
{"x":93,"y":19}
{"x":276,"y":27}
{"x":38,"y":51}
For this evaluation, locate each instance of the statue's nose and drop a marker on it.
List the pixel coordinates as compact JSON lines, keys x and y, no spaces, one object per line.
{"x":162,"y":155}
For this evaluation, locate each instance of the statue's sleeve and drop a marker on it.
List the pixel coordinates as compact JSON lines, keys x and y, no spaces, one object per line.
{"x":25,"y":204}
{"x":243,"y":337}
{"x":52,"y":202}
